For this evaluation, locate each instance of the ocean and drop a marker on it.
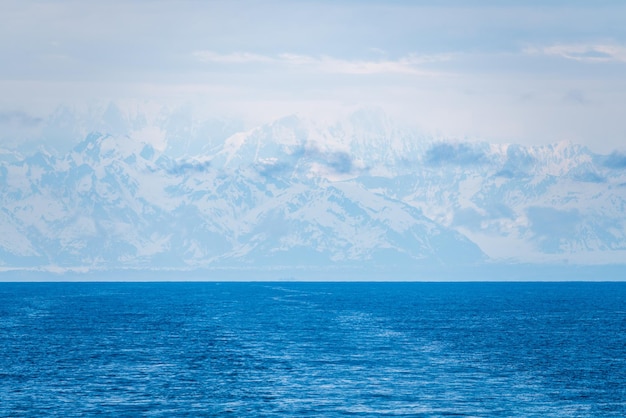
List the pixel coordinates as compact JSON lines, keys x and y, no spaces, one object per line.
{"x":313,"y":349}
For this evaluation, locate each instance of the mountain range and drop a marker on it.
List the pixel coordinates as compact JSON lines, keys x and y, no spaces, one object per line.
{"x":296,"y":195}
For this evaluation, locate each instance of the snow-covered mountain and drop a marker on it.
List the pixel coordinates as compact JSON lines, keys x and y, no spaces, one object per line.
{"x":297,"y":194}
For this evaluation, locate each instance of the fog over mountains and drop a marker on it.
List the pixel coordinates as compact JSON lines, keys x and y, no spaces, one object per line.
{"x":297,"y":195}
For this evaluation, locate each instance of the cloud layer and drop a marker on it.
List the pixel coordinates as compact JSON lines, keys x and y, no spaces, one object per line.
{"x":325,"y":64}
{"x":583,"y":52}
{"x":480,"y":69}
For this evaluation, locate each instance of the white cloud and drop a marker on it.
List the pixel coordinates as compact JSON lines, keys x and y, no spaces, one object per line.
{"x":232,"y":58}
{"x":151,"y":135}
{"x":583,"y":52}
{"x":405,"y":65}
{"x":409,"y":64}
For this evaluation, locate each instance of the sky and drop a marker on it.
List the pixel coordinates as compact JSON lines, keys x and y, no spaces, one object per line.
{"x":530,"y":72}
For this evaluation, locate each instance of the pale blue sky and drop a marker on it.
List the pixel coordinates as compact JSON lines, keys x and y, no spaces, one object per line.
{"x":504,"y":71}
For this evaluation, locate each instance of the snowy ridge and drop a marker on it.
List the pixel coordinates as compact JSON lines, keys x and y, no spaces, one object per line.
{"x":298,"y":193}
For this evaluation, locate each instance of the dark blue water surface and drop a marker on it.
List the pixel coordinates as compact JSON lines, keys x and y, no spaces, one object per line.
{"x":313,"y":349}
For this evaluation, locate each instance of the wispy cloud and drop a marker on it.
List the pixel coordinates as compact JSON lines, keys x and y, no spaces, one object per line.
{"x":409,"y":64}
{"x":615,"y":160}
{"x":458,"y":154}
{"x":185,"y":167}
{"x":19,"y":118}
{"x":405,"y":65}
{"x":583,"y":52}
{"x":232,"y":58}
{"x":575,"y":96}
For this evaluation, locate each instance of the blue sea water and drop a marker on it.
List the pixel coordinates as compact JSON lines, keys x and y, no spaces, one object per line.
{"x":313,"y":349}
